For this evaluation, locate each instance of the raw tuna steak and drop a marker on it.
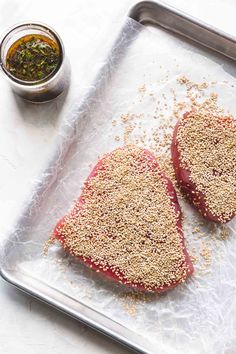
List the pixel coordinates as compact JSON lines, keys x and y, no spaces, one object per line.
{"x":127,"y":223}
{"x":204,"y":158}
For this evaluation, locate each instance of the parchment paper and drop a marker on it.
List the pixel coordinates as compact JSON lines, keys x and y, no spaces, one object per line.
{"x":138,"y":78}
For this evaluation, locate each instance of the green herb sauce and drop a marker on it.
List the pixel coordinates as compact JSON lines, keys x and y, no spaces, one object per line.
{"x":33,"y":58}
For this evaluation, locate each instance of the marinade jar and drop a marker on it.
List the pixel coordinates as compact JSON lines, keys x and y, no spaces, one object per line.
{"x":32,"y":57}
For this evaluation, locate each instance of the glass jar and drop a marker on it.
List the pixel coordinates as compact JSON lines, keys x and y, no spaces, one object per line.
{"x":41,"y":90}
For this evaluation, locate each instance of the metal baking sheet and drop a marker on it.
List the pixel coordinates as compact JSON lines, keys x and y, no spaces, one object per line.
{"x":194,"y":317}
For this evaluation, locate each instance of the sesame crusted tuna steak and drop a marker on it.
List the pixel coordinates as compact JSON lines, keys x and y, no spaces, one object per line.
{"x":204,"y":158}
{"x":127,"y":223}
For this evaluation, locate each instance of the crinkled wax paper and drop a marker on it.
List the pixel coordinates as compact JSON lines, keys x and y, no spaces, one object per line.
{"x":139,"y":75}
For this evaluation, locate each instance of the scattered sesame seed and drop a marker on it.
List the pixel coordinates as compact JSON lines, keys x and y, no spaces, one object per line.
{"x":224,"y":234}
{"x":48,"y":244}
{"x":142,"y":89}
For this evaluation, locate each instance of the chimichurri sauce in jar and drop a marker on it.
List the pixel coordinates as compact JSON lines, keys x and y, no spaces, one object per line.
{"x":33,"y":58}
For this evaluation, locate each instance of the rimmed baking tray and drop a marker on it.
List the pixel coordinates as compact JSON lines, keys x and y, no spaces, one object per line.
{"x":88,"y":132}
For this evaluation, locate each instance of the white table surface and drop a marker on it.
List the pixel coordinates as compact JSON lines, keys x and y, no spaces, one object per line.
{"x":26,"y":325}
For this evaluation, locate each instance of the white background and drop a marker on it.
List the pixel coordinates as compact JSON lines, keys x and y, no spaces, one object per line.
{"x":27,"y":326}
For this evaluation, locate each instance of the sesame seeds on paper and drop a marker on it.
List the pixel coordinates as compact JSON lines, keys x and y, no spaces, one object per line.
{"x":155,"y":132}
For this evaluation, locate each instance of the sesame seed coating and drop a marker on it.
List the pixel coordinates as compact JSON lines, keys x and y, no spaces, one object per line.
{"x":207,"y":148}
{"x":127,"y":223}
